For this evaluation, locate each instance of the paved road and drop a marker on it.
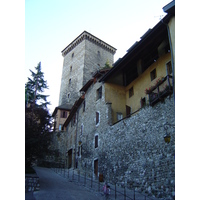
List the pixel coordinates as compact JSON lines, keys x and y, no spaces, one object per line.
{"x":55,"y":187}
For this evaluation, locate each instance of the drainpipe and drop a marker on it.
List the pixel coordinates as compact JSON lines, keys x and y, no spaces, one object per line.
{"x":172,"y":57}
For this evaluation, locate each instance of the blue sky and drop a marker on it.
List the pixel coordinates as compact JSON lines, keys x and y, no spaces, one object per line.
{"x":51,"y":25}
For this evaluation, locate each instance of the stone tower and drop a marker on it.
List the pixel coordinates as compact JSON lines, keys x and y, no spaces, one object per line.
{"x":82,"y":57}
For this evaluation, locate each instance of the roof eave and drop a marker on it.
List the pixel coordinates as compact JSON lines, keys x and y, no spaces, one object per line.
{"x":60,"y":108}
{"x":135,"y":47}
{"x":170,"y":8}
{"x":73,"y":111}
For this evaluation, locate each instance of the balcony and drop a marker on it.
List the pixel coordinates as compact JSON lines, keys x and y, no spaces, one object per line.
{"x":160,"y":91}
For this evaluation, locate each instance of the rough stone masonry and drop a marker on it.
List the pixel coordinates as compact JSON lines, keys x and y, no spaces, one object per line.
{"x":133,"y":151}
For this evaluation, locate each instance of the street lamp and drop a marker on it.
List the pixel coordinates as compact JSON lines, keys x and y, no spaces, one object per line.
{"x":167,"y":136}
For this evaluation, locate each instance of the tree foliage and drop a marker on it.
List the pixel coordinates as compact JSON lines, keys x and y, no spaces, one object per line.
{"x":35,"y":87}
{"x":107,"y":65}
{"x":38,"y":121}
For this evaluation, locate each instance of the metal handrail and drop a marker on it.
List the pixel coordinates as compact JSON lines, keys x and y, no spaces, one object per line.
{"x":91,"y":182}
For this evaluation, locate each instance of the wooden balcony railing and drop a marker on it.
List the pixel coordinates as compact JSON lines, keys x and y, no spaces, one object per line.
{"x":161,"y":90}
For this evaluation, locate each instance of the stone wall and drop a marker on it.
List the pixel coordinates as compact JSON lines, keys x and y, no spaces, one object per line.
{"x":95,"y":59}
{"x":75,"y":74}
{"x":59,"y":145}
{"x":132,"y":151}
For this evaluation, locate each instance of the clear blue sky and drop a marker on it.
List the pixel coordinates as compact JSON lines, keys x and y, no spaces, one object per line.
{"x":50,"y":25}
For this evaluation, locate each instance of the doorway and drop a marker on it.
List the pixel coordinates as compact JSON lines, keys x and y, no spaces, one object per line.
{"x":96,"y":167}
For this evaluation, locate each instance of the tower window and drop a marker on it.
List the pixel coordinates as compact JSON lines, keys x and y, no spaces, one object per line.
{"x":70,"y":68}
{"x":72,"y":55}
{"x":70,"y":81}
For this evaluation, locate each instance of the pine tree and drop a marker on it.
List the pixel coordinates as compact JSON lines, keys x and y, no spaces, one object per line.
{"x":35,"y":87}
{"x":38,"y":121}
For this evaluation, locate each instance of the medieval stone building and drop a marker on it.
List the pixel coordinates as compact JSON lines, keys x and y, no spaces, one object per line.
{"x":82,"y":57}
{"x":121,"y":120}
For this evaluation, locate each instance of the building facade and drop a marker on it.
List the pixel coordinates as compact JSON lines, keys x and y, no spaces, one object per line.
{"x":122,"y":124}
{"x":81,"y":59}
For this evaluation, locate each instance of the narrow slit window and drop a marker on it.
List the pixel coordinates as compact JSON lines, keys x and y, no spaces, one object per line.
{"x":96,"y":141}
{"x":97,"y":118}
